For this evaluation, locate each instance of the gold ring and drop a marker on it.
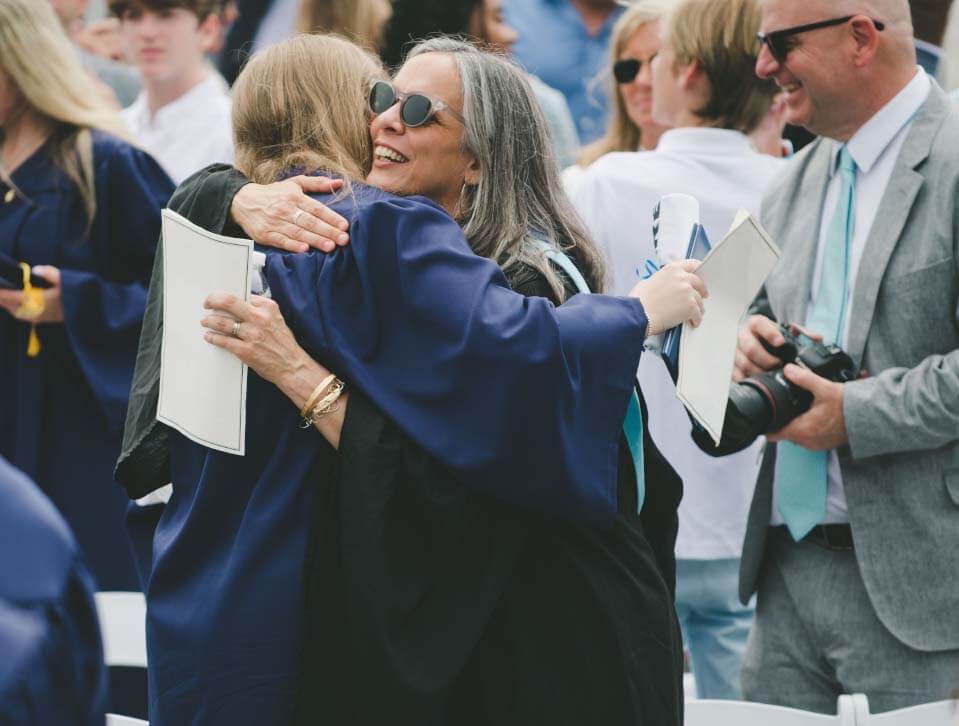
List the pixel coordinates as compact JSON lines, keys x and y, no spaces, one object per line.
{"x":236,"y":329}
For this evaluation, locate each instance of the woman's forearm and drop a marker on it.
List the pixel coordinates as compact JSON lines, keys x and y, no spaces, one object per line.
{"x":300,"y":383}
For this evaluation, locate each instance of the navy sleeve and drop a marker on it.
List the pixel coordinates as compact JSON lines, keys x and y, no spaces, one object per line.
{"x":103,"y":309}
{"x":522,"y":400}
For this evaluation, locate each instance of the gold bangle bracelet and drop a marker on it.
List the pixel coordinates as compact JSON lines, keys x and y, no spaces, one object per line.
{"x":327,"y":405}
{"x":315,"y":395}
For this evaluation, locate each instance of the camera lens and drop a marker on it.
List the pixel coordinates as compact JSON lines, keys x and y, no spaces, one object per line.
{"x":750,"y":410}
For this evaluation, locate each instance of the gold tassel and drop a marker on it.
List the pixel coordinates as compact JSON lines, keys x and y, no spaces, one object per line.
{"x":31,"y":306}
{"x":33,"y":343}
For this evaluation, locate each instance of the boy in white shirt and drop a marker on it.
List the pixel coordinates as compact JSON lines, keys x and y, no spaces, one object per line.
{"x":182,"y":116}
{"x":705,"y":91}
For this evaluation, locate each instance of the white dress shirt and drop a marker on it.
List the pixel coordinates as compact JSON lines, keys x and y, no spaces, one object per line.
{"x":615,"y":198}
{"x":188,"y":134}
{"x":875,"y":148}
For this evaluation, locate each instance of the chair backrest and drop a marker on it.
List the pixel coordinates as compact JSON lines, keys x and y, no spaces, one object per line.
{"x":114,"y":720}
{"x":123,"y":627}
{"x":741,"y":713}
{"x":940,"y":713}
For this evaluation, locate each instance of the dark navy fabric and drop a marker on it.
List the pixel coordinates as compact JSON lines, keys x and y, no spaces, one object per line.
{"x":63,"y":411}
{"x":522,"y":400}
{"x":51,"y":661}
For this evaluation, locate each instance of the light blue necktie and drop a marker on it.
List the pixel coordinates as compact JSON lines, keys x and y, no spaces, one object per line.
{"x":633,"y":425}
{"x":801,"y":475}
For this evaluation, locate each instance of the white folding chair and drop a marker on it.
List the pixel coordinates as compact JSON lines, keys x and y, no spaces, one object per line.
{"x":114,"y":720}
{"x":741,"y":713}
{"x":122,"y":618}
{"x":940,"y":713}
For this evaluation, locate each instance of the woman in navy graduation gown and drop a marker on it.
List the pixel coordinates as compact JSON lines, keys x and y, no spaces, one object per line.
{"x":81,"y":207}
{"x":256,"y":599}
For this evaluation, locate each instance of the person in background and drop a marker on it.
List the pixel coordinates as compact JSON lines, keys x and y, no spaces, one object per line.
{"x":929,"y":24}
{"x":631,"y":127}
{"x":122,"y":81}
{"x":705,"y":91}
{"x":362,"y":21}
{"x":51,"y":660}
{"x":182,"y":116}
{"x":852,"y":545}
{"x":482,"y":20}
{"x":565,"y":43}
{"x":80,"y":207}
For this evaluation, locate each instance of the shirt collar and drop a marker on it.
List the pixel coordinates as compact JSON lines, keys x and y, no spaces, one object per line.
{"x":699,"y":139}
{"x":874,"y":136}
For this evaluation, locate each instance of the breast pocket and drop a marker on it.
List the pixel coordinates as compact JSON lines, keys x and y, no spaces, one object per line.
{"x":933,"y":280}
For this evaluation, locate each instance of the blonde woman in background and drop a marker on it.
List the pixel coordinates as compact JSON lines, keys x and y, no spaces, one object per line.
{"x":80,"y":207}
{"x":362,"y":21}
{"x":634,"y":44}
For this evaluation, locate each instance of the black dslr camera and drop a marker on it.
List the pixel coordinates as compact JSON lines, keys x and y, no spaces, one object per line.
{"x":767,"y":402}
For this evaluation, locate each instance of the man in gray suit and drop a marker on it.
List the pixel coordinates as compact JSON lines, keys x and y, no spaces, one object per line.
{"x":853,"y":536}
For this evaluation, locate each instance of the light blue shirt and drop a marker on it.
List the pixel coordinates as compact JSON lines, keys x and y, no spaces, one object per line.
{"x":554,"y":45}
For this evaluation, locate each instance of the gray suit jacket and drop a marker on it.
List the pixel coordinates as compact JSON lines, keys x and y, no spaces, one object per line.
{"x":901,"y":467}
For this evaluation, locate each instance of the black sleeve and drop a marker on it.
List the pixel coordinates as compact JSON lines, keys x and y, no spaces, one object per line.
{"x":205,"y":198}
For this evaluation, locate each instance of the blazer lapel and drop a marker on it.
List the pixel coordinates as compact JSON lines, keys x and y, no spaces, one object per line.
{"x":887,"y":228}
{"x":789,"y":286}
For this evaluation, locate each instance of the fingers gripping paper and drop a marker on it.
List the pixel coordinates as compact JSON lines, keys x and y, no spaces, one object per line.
{"x":734,"y":271}
{"x":202,"y":387}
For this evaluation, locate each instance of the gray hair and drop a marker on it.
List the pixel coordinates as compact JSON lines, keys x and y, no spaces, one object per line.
{"x":519,"y":194}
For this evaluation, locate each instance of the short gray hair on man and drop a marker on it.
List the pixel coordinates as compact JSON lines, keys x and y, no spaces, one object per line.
{"x":519,"y":194}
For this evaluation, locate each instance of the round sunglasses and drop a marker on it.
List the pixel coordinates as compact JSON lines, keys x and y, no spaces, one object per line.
{"x":415,"y":108}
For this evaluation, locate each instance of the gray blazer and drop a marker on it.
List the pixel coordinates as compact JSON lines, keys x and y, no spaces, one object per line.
{"x":901,"y":467}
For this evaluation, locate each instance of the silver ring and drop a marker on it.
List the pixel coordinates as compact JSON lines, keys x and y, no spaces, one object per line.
{"x":297,"y":215}
{"x":236,"y":329}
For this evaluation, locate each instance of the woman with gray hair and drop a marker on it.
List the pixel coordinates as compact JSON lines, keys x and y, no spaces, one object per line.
{"x":431,"y":600}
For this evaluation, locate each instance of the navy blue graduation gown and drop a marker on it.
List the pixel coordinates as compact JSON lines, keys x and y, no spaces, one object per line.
{"x":51,"y":662}
{"x":521,"y":400}
{"x":63,"y":411}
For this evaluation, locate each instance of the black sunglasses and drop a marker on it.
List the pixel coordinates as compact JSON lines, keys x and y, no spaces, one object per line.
{"x":415,"y":108}
{"x":626,"y":70}
{"x":778,"y":40}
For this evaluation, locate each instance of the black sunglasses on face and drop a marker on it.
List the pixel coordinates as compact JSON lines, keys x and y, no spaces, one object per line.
{"x":778,"y":40}
{"x":415,"y":108}
{"x":626,"y":70}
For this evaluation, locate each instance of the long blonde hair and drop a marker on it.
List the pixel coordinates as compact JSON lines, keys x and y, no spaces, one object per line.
{"x":362,"y":21}
{"x":621,"y":133}
{"x":302,"y":104}
{"x":42,"y":63}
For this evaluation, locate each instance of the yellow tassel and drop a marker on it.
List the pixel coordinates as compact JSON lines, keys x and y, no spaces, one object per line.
{"x":31,"y":306}
{"x":33,"y":344}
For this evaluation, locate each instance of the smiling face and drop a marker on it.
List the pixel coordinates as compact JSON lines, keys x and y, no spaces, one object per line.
{"x":168,"y":43}
{"x":816,"y":77}
{"x":428,"y":159}
{"x":637,"y":95}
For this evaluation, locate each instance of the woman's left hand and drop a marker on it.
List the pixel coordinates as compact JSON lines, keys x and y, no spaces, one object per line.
{"x":12,"y":300}
{"x":262,"y":339}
